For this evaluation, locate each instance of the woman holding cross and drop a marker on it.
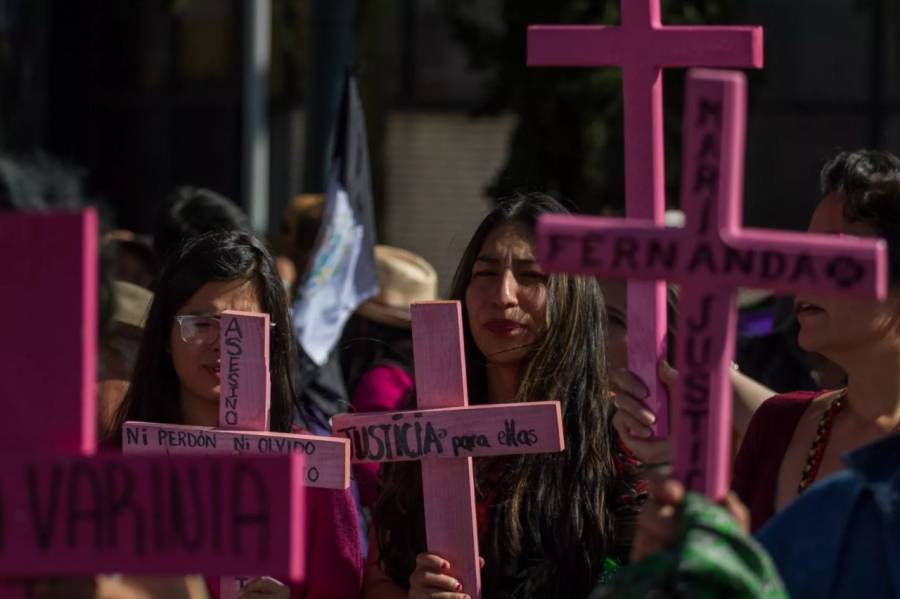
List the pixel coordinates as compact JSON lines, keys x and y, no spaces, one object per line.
{"x":548,"y":524}
{"x":176,"y":381}
{"x":796,"y":439}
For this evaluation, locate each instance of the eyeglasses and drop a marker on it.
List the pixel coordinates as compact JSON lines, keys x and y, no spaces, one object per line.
{"x":200,"y":329}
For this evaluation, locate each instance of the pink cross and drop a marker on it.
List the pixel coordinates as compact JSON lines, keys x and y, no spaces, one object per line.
{"x":710,"y":259}
{"x":642,"y":46}
{"x":445,"y":434}
{"x":244,"y":404}
{"x":65,"y":510}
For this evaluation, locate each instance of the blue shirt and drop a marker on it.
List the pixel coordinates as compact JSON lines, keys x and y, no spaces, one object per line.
{"x":841,"y":538}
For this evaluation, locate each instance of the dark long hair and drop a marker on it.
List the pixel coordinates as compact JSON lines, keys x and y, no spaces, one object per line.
{"x":551,"y":515}
{"x":217,"y":256}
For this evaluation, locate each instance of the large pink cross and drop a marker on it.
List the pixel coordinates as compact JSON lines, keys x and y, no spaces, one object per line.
{"x":244,"y":404}
{"x":445,"y":434}
{"x":710,"y":258}
{"x":642,"y":46}
{"x":64,"y":510}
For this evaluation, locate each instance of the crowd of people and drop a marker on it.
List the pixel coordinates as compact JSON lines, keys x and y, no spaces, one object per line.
{"x":816,"y":487}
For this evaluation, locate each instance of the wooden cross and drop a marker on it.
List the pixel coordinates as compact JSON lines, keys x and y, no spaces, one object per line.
{"x":642,"y":46}
{"x":66,"y":511}
{"x":710,"y":258}
{"x":244,"y":404}
{"x":444,"y":433}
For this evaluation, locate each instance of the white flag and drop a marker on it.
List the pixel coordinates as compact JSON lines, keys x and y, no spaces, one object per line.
{"x":341,"y":277}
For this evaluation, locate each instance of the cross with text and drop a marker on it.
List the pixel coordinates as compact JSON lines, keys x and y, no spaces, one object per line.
{"x":65,"y":511}
{"x":244,"y":402}
{"x":444,"y":433}
{"x":710,"y":258}
{"x":642,"y":46}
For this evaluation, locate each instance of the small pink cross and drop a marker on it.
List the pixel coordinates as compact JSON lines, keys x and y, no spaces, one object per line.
{"x":244,"y":403}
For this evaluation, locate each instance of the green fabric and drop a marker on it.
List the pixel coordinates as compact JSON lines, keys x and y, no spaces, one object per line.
{"x":710,"y":558}
{"x":611,"y":567}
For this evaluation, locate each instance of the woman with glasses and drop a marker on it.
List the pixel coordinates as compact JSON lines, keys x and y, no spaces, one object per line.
{"x":176,"y":381}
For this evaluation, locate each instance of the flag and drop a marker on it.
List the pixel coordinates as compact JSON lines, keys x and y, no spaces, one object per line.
{"x":342,"y":272}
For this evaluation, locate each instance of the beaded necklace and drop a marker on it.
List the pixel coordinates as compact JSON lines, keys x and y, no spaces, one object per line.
{"x":820,"y":443}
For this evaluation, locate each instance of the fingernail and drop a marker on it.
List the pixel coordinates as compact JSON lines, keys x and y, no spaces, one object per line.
{"x":649,"y":416}
{"x":458,"y":587}
{"x":445,"y":565}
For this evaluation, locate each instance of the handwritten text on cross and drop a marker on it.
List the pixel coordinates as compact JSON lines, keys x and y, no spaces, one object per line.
{"x":642,"y":46}
{"x":711,"y":258}
{"x":446,"y":427}
{"x":64,"y":509}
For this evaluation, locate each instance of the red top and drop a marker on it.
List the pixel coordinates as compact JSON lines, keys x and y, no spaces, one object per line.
{"x":382,"y":389}
{"x":762,"y":451}
{"x":333,"y":564}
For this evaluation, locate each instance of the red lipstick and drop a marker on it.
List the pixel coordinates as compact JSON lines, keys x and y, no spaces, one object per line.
{"x":503,"y":326}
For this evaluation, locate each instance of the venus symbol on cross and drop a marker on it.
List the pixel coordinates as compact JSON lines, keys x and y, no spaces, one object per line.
{"x":642,"y":46}
{"x":64,"y":509}
{"x":711,"y":258}
{"x":445,"y":427}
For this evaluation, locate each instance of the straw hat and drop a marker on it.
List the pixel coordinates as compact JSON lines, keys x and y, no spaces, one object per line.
{"x":132,"y":303}
{"x":403,"y":278}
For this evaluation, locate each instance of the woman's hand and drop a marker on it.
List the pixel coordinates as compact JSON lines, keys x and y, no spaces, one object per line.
{"x":265,"y":587}
{"x":633,"y":419}
{"x":431,"y":579}
{"x":658,"y":522}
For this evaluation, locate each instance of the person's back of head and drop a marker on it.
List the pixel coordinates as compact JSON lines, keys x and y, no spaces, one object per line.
{"x":869,"y":181}
{"x":192,"y":211}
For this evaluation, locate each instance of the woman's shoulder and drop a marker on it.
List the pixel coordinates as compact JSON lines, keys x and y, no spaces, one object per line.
{"x":778,"y":416}
{"x":784,"y":405}
{"x":771,"y":428}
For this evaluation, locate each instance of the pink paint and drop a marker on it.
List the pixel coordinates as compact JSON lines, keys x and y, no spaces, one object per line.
{"x":444,"y":419}
{"x":326,"y":463}
{"x":244,"y":392}
{"x":479,"y":431}
{"x":244,"y":395}
{"x":448,"y":488}
{"x":73,"y":516}
{"x":710,"y":258}
{"x":244,"y":404}
{"x":66,"y":511}
{"x":642,"y":46}
{"x":49,"y":262}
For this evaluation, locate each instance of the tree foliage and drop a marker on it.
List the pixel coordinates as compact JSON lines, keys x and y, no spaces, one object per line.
{"x":568,"y":139}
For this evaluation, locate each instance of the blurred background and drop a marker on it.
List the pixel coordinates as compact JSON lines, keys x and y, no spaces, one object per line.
{"x":241,"y":96}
